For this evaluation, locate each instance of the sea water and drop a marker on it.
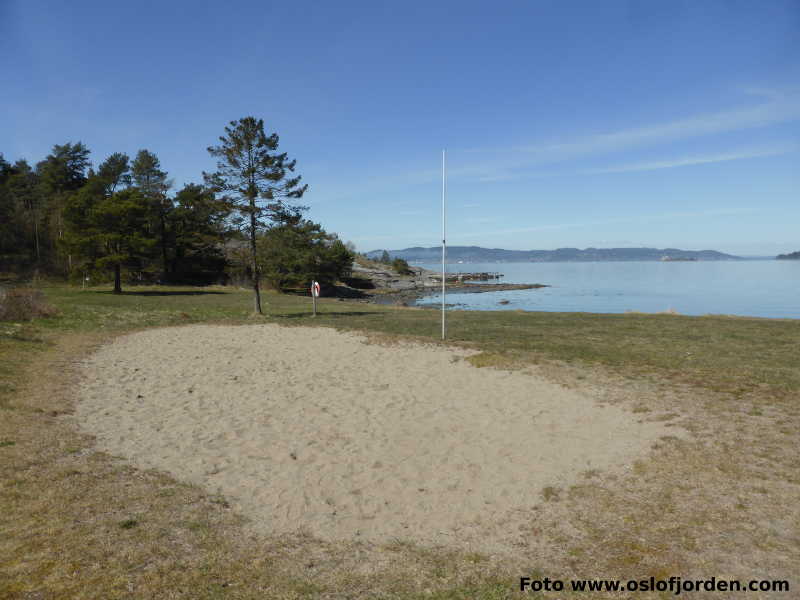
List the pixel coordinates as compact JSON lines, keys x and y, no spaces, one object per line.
{"x":758,"y":288}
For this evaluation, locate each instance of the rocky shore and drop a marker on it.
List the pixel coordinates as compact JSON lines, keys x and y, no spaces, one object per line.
{"x":382,"y":285}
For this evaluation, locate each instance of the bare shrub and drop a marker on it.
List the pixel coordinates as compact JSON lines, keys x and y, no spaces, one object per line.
{"x":24,"y":304}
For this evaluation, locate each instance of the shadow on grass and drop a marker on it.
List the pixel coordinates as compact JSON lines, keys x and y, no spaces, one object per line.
{"x":307,"y":315}
{"x":340,"y":292}
{"x":164,"y":293}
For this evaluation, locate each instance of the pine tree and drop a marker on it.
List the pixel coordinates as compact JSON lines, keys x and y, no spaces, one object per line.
{"x":116,"y":171}
{"x":24,"y":196}
{"x":61,"y":174}
{"x":13,"y":244}
{"x":198,"y":223}
{"x":152,"y":182}
{"x":109,"y":231}
{"x":294,"y":254}
{"x":258,"y":182}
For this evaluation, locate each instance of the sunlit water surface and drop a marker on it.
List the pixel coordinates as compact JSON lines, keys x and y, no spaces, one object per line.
{"x":759,"y":288}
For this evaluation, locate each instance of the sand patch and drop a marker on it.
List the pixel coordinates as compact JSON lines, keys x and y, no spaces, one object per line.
{"x":310,"y":428}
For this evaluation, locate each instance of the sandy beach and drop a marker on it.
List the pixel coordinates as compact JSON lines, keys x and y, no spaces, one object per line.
{"x":314,"y":430}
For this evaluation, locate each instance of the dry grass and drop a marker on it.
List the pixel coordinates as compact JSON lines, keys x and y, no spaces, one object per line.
{"x":24,"y":304}
{"x":716,"y":503}
{"x":371,"y":264}
{"x":76,"y":523}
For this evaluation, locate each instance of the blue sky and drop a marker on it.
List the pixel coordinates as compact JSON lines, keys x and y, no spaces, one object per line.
{"x":566,"y":123}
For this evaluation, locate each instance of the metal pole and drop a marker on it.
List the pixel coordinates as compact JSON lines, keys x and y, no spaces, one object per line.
{"x":444,"y":237}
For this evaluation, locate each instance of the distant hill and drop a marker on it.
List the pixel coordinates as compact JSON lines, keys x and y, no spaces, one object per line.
{"x":478,"y":254}
{"x":790,"y":256}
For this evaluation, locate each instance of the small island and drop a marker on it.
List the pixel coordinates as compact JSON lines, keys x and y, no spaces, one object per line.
{"x":666,"y":258}
{"x":790,"y":256}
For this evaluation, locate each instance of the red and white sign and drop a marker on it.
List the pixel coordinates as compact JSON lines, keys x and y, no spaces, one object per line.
{"x":315,"y":289}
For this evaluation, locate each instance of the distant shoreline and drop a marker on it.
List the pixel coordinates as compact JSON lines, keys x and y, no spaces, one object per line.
{"x":418,"y":263}
{"x":478,"y":254}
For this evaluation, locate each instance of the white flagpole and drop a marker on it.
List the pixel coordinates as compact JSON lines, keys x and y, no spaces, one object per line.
{"x":444,"y":243}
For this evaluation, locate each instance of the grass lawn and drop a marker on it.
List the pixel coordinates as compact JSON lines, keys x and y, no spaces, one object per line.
{"x":78,"y":523}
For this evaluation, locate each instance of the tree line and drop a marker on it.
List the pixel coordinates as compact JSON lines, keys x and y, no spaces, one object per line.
{"x":123,"y":221}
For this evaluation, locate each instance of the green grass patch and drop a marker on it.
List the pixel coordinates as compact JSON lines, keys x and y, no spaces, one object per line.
{"x":721,"y":353}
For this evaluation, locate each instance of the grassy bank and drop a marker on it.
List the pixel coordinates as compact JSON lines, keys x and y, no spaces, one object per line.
{"x":77,"y":523}
{"x":723,"y":353}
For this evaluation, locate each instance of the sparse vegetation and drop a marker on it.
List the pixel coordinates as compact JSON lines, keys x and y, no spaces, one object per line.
{"x":24,"y":304}
{"x":401,"y":266}
{"x":362,"y":260}
{"x":128,"y":524}
{"x":550,"y":493}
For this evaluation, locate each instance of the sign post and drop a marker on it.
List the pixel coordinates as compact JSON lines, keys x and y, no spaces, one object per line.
{"x":444,"y":243}
{"x":314,"y":294}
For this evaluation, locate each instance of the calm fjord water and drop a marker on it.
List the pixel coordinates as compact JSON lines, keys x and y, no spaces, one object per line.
{"x":758,"y":288}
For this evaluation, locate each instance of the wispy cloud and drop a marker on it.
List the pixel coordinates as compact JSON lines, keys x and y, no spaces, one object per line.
{"x":780,"y":108}
{"x":516,"y":162}
{"x":776,"y":150}
{"x":536,"y":160}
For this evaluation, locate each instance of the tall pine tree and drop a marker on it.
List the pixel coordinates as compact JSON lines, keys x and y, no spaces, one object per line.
{"x":24,"y":196}
{"x":61,"y":174}
{"x":116,"y":171}
{"x":257,"y":180}
{"x":153,"y":184}
{"x":199,"y":228}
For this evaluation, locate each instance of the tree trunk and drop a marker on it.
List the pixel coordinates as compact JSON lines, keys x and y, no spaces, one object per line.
{"x":36,"y":240}
{"x":117,"y":279}
{"x":253,"y":261}
{"x":163,"y":220}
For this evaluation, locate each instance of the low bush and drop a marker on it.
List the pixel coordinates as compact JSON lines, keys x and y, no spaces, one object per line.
{"x":401,"y":266}
{"x":24,"y":304}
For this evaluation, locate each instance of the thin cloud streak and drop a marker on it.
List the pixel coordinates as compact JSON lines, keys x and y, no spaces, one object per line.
{"x":695,"y":160}
{"x":781,"y":107}
{"x":519,"y":162}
